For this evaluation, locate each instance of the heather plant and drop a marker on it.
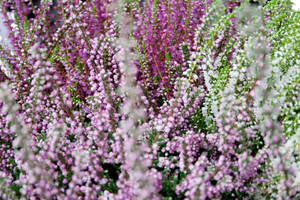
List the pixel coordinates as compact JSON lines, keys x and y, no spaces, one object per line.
{"x":150,"y":100}
{"x":173,"y":38}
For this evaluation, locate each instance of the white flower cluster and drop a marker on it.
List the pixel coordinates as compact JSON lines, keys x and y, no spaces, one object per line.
{"x":292,"y":149}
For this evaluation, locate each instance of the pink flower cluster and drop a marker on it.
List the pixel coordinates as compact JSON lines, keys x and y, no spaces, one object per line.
{"x":80,"y":120}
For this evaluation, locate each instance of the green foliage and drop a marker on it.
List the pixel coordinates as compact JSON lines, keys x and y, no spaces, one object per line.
{"x":111,"y":172}
{"x":42,"y":136}
{"x":237,"y":195}
{"x":76,"y":100}
{"x":26,"y":25}
{"x":155,"y":4}
{"x":94,"y":10}
{"x":72,"y":137}
{"x":17,"y":19}
{"x":198,"y":120}
{"x":13,"y":190}
{"x":187,"y":55}
{"x":168,"y":191}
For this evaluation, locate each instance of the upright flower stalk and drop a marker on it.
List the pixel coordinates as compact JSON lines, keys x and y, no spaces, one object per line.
{"x":135,"y":180}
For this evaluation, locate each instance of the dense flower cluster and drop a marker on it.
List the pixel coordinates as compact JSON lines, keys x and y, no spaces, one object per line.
{"x":154,"y":99}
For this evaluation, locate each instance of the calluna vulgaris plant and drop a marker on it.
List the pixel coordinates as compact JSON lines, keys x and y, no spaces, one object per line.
{"x":159,"y":99}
